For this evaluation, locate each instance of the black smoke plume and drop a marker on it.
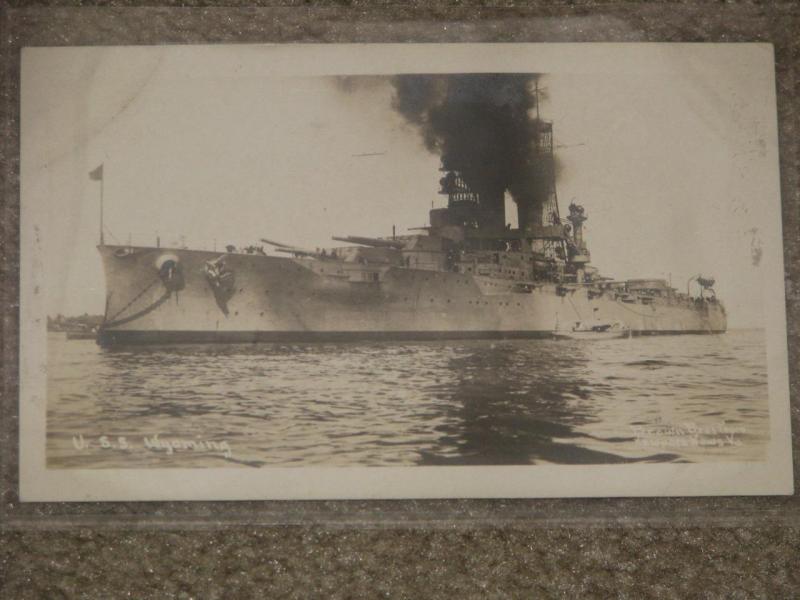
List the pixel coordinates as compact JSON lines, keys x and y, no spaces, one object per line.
{"x":485,"y":127}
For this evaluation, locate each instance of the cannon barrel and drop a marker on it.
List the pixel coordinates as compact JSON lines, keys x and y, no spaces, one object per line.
{"x":374,"y":242}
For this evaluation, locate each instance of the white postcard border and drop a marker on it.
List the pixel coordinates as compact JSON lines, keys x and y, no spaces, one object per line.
{"x":770,"y":477}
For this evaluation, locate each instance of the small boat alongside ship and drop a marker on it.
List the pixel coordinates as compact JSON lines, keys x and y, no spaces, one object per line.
{"x":594,"y":331}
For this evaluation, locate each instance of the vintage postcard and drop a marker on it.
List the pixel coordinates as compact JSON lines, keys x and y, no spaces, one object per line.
{"x":401,"y":271}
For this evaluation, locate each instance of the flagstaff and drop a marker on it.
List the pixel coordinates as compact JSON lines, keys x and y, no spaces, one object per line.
{"x":97,"y":175}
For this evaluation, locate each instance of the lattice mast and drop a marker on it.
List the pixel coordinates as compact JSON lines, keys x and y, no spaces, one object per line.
{"x":545,"y":211}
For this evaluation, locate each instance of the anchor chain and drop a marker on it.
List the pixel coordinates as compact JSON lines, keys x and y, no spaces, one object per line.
{"x":129,"y":304}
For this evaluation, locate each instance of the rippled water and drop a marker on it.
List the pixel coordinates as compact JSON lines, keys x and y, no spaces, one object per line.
{"x":671,"y":398}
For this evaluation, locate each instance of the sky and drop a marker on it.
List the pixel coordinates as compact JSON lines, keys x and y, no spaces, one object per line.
{"x":671,"y":149}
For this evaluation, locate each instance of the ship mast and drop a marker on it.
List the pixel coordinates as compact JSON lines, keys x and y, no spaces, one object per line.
{"x":97,"y":175}
{"x":545,"y":174}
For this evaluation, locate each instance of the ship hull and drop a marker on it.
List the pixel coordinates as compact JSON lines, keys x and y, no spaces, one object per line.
{"x":278,"y":299}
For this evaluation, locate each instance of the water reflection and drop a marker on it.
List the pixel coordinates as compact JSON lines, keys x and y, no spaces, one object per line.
{"x":464,"y":403}
{"x":507,"y":413}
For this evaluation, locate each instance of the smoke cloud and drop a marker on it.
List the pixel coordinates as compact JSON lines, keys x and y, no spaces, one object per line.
{"x":485,"y":127}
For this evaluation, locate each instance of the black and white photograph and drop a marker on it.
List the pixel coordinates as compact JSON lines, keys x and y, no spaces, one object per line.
{"x":401,"y":271}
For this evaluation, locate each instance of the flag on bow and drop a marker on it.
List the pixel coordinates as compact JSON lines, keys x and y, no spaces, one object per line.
{"x":97,"y":174}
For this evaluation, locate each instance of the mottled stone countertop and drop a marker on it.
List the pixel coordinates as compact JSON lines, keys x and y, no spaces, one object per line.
{"x":746,"y":556}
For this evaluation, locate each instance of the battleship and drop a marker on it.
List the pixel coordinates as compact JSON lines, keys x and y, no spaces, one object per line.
{"x":467,"y":274}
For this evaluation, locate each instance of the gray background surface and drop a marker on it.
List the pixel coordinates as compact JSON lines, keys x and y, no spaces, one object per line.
{"x":671,"y":548}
